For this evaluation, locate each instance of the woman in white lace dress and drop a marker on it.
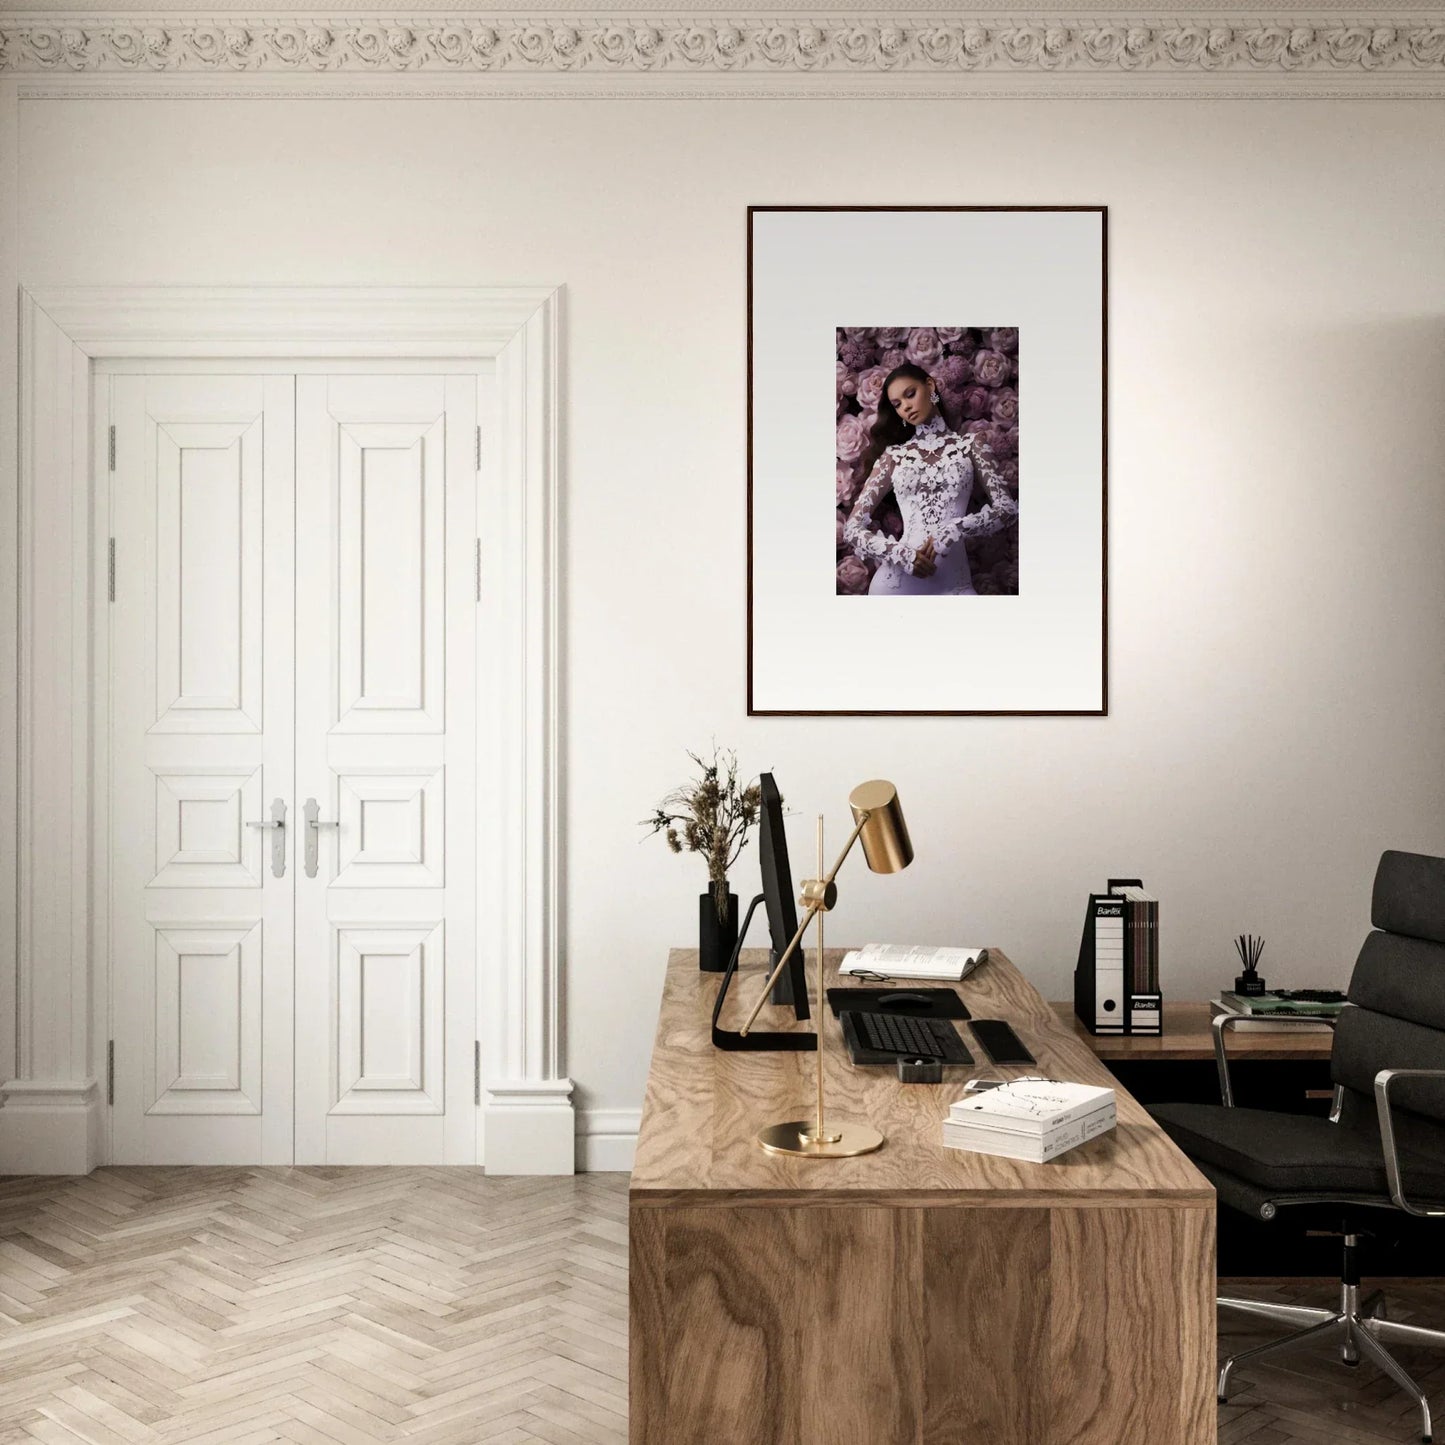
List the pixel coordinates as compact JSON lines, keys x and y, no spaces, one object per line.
{"x":931,"y":470}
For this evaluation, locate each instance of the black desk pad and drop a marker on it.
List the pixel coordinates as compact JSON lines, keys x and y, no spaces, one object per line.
{"x":938,"y":1003}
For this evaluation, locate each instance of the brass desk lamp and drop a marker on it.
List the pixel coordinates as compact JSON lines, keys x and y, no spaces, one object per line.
{"x":878,"y":821}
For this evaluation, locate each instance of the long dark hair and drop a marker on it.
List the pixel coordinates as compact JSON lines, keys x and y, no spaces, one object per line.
{"x":890,"y":428}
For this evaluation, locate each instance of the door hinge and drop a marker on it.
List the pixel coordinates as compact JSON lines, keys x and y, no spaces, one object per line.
{"x":477,"y":1073}
{"x":479,"y":447}
{"x":110,"y":570}
{"x":110,"y":1072}
{"x":479,"y":569}
{"x":112,"y":448}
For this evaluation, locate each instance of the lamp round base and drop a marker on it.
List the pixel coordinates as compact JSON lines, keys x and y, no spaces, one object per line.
{"x":795,"y":1137}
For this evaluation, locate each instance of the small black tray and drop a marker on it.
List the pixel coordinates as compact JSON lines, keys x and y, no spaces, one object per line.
{"x":937,"y":1003}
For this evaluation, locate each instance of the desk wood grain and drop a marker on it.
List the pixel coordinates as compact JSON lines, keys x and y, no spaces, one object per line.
{"x":919,"y":1295}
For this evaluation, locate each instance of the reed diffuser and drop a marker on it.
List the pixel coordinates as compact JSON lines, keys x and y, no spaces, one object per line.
{"x":1249,"y":948}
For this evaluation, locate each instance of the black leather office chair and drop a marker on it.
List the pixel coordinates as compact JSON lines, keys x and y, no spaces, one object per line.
{"x":1382,"y":1151}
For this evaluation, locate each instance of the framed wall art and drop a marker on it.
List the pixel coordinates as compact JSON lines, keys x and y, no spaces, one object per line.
{"x":935,"y":377}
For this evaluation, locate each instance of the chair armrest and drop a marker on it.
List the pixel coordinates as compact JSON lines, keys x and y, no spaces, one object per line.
{"x":1221,"y":1025}
{"x":1383,"y":1080}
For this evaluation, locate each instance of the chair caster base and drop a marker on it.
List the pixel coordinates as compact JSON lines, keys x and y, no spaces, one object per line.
{"x":1361,"y":1339}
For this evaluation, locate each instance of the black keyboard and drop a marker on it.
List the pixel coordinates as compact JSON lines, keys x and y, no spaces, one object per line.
{"x":904,"y":1037}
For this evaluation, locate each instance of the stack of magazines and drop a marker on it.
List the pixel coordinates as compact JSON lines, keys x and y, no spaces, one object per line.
{"x":1032,"y":1119}
{"x":1261,"y":1011}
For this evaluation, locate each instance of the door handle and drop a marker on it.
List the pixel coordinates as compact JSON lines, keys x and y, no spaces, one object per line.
{"x":314,"y":825}
{"x":277,"y":822}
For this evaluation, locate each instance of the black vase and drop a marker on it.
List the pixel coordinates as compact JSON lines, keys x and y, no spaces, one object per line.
{"x":716,"y":937}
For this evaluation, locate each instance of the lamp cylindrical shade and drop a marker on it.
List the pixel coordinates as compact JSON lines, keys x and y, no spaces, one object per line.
{"x":886,"y":844}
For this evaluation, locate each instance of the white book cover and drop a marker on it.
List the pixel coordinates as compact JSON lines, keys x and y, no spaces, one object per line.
{"x":1013,"y":1146}
{"x":1034,"y":1148}
{"x":983,"y":1124}
{"x":1032,"y":1105}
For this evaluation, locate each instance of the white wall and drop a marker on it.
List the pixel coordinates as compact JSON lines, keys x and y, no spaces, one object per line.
{"x":1277,"y":481}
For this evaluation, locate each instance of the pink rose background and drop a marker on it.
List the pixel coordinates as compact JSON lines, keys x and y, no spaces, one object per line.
{"x":1004,"y":408}
{"x":976,"y":369}
{"x":974,"y":402}
{"x":924,"y":348}
{"x":990,"y":368}
{"x":852,"y":437}
{"x":853,"y":577}
{"x":868,"y":387}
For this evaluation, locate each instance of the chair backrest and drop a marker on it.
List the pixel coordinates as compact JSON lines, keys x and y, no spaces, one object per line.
{"x":1398,"y":993}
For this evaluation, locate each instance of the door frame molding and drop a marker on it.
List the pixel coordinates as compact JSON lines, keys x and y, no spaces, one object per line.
{"x":53,"y":1092}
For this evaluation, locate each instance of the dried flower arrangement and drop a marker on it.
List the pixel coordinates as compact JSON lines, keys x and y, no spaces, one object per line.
{"x":711,"y":815}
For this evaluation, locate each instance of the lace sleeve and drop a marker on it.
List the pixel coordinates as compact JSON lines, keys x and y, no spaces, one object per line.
{"x":867,"y":542}
{"x":1001,"y":510}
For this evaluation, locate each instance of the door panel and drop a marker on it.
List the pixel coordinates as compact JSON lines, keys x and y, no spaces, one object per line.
{"x":390,"y":534}
{"x":207,"y":1056}
{"x":202,"y":840}
{"x":209,"y":561}
{"x":202,"y":662}
{"x":385,"y":744}
{"x":389,"y":1022}
{"x":392,"y":825}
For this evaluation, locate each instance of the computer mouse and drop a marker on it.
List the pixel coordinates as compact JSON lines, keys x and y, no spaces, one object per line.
{"x":904,"y":1000}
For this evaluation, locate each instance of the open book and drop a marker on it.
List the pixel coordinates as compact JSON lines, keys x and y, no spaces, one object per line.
{"x":900,"y":960}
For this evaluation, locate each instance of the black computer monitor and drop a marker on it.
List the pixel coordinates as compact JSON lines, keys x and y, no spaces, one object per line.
{"x":777,"y":898}
{"x":791,"y":987}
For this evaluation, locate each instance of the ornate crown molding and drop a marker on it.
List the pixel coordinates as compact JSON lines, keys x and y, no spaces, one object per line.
{"x":1342,"y":50}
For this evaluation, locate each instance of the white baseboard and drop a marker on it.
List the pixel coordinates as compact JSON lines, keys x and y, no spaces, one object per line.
{"x":607,"y":1140}
{"x":530,"y":1127}
{"x":56,"y":1129}
{"x":49,"y":1127}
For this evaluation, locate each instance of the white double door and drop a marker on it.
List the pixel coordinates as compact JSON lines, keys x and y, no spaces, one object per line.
{"x":292,"y":821}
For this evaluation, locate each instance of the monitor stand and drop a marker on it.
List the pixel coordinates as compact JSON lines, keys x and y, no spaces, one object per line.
{"x":782,"y":993}
{"x":756,"y":1040}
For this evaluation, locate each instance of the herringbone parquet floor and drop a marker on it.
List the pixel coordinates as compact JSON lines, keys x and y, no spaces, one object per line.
{"x":347,"y":1306}
{"x":322,"y":1306}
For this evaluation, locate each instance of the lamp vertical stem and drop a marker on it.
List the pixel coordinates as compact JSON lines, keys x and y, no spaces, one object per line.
{"x":819,"y":1134}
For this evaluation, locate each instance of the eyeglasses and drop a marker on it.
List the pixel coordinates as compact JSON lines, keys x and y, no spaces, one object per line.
{"x":869,"y":975}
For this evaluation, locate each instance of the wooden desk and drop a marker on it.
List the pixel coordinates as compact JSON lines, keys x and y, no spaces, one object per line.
{"x":918,"y":1295}
{"x":1188,"y":1037}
